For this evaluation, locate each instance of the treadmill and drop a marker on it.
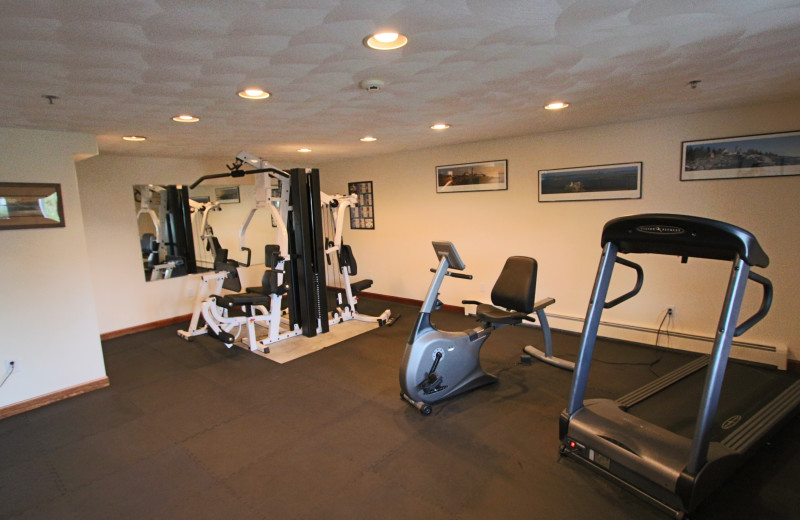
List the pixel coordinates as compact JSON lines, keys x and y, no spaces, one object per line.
{"x":673,"y":461}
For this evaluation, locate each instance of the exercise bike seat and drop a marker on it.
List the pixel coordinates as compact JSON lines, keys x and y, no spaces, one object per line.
{"x":491,"y":314}
{"x":513,"y":293}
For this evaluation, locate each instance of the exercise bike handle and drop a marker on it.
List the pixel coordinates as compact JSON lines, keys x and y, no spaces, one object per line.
{"x":455,"y":275}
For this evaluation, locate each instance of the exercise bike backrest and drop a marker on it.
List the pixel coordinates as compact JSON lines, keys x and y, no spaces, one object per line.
{"x":515,"y":288}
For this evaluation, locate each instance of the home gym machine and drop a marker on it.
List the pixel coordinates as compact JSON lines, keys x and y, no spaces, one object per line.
{"x":295,"y":266}
{"x":262,"y":305}
{"x":646,"y":441}
{"x":438,"y":364}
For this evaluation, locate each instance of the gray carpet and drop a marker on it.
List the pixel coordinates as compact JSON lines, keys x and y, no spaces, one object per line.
{"x":194,"y":430}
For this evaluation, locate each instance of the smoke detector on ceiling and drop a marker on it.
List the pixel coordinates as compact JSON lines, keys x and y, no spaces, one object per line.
{"x":372,"y":85}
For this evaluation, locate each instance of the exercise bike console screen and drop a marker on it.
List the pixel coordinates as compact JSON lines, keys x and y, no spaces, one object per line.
{"x":448,"y":250}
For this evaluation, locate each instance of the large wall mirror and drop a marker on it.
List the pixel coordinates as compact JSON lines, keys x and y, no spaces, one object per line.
{"x":181,"y":230}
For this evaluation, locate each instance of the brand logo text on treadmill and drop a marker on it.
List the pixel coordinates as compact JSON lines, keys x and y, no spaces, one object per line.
{"x":657,"y":229}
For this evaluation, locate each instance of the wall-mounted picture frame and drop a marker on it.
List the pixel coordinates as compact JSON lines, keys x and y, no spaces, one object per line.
{"x":363,"y":215}
{"x":476,"y":176}
{"x":227,"y":194}
{"x":30,"y":205}
{"x":763,"y":155}
{"x":603,"y":182}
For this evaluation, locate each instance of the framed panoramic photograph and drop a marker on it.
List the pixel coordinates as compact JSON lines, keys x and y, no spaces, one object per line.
{"x":30,"y":205}
{"x":608,"y":181}
{"x":478,"y":176}
{"x":766,"y":155}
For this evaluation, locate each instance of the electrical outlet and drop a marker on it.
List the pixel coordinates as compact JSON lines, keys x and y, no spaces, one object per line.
{"x":8,"y":364}
{"x":671,"y":311}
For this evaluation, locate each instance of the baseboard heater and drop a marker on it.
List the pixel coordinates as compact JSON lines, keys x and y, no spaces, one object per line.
{"x":777,"y":356}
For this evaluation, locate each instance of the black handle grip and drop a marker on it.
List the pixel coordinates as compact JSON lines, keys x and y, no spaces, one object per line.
{"x":455,"y":275}
{"x":247,"y":264}
{"x":633,"y":292}
{"x":766,"y":303}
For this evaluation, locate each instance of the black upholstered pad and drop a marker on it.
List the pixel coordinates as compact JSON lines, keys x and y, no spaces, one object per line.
{"x":491,"y":314}
{"x":360,"y":285}
{"x":235,"y":300}
{"x":515,"y":288}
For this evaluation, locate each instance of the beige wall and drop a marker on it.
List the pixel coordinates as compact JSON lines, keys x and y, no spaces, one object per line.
{"x":487,"y":227}
{"x":49,"y":322}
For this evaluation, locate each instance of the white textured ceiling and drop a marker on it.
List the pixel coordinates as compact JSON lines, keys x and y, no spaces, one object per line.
{"x":487,"y":67}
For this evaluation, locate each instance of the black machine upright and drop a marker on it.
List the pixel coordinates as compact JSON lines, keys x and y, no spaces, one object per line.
{"x":675,"y":461}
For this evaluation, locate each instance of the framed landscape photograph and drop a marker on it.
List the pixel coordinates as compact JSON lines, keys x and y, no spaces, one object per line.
{"x":608,"y":181}
{"x":478,"y":176}
{"x":766,"y":155}
{"x":30,"y":205}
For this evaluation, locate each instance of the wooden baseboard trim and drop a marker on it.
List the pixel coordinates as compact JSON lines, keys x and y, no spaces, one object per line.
{"x":406,"y":301}
{"x":144,"y":327}
{"x":793,"y":365}
{"x":37,"y":402}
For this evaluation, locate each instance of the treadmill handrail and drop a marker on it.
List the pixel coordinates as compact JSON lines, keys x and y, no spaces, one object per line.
{"x":766,"y":303}
{"x":633,"y":292}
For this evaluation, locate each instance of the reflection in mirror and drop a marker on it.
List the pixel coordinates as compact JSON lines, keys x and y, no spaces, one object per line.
{"x":163,"y":215}
{"x":221,"y":221}
{"x":180,"y":232}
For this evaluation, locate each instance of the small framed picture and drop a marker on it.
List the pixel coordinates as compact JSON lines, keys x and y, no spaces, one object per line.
{"x":30,"y":205}
{"x":363,"y":215}
{"x":227,"y":195}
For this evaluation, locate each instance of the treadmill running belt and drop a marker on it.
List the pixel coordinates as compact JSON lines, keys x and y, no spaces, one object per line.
{"x":744,"y":392}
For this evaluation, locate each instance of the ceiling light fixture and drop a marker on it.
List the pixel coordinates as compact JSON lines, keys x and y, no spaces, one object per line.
{"x":556,"y":105}
{"x":253,"y":93}
{"x":186,"y":118}
{"x":304,"y":150}
{"x":369,"y":139}
{"x":134,"y":138}
{"x":440,"y":126}
{"x":385,"y":41}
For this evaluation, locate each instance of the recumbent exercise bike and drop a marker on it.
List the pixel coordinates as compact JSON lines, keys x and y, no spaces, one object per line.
{"x":440,"y":364}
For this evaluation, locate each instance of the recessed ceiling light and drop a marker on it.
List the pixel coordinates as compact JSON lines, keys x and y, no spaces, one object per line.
{"x":556,"y":105}
{"x":253,"y":93}
{"x":134,"y":138}
{"x":186,"y":118}
{"x":369,"y":139}
{"x":440,"y":126}
{"x":304,"y":150}
{"x":385,"y":41}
